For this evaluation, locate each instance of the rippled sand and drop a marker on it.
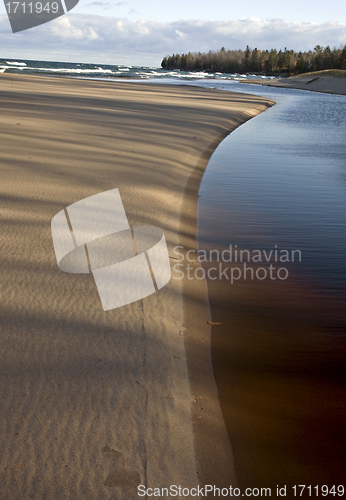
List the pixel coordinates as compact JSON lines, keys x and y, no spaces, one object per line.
{"x":95,"y":403}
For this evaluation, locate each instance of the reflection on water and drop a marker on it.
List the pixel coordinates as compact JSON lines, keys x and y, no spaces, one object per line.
{"x":281,"y":179}
{"x":279,"y":358}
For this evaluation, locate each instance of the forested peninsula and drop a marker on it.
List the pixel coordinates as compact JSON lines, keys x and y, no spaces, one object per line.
{"x":268,"y":62}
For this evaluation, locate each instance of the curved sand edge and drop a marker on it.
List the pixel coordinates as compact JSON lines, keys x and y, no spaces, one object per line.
{"x":317,"y":82}
{"x":95,"y":402}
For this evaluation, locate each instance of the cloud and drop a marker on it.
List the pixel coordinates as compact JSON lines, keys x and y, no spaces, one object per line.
{"x":88,"y":38}
{"x":106,"y":6}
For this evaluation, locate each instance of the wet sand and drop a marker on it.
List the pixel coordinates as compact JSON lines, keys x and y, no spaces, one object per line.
{"x":95,"y":403}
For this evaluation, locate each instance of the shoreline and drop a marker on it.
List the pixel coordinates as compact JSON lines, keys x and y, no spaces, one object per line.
{"x":98,"y":394}
{"x":314,"y":82}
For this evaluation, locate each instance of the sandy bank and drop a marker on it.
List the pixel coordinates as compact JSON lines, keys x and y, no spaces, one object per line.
{"x":95,"y":403}
{"x":322,"y":81}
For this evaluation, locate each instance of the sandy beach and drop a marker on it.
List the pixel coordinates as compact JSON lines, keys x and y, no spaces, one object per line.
{"x":95,"y":403}
{"x":322,"y":81}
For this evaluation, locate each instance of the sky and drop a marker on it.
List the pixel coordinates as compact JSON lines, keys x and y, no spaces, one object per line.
{"x":139,"y":32}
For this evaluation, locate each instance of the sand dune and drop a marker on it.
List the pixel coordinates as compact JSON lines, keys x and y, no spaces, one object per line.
{"x":94,"y":403}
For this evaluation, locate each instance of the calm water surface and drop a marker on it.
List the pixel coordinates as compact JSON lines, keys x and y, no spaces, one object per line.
{"x":280,"y":355}
{"x":281,"y":179}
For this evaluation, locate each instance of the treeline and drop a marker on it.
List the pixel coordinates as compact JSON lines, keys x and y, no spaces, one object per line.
{"x":269,"y":62}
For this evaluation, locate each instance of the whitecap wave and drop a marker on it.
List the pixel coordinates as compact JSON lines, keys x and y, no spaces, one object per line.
{"x":72,"y":70}
{"x":15,"y":63}
{"x":4,"y":68}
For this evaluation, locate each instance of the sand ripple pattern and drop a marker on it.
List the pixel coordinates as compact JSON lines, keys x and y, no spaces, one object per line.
{"x":94,"y":402}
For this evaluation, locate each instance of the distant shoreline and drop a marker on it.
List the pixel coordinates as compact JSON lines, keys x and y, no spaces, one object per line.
{"x":329,"y":81}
